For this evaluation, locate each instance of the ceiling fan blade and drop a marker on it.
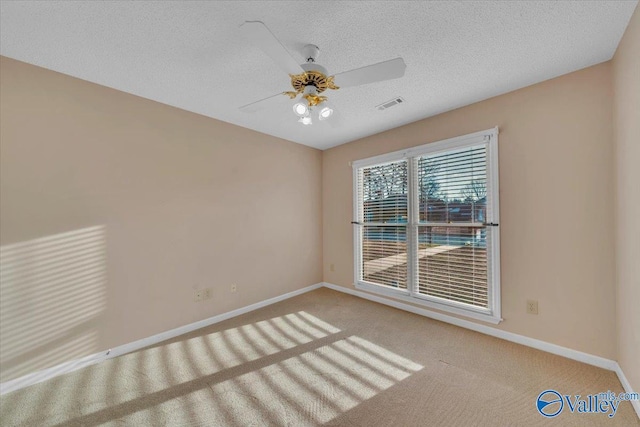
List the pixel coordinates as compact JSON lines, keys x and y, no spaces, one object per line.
{"x":261,"y":36}
{"x":387,"y":70}
{"x":271,"y":101}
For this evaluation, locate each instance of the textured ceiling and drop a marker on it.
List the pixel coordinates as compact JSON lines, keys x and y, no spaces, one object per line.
{"x":191,"y":54}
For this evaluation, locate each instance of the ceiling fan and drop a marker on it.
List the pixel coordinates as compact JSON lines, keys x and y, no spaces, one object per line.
{"x":310,"y":80}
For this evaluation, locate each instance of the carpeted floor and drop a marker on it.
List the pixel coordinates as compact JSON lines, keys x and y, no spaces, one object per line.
{"x":322,"y":358}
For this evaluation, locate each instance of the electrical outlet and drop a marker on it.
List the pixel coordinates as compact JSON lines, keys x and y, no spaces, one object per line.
{"x":234,"y":287}
{"x":332,"y":267}
{"x":197,"y":295}
{"x":206,"y":293}
{"x":532,"y":306}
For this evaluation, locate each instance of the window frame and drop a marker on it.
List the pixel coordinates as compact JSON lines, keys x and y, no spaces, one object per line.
{"x":492,"y":314}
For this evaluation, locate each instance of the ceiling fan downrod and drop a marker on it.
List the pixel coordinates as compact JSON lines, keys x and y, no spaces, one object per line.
{"x":310,"y":52}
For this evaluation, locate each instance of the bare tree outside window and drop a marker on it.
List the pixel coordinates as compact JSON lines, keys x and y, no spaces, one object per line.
{"x":475,"y":190}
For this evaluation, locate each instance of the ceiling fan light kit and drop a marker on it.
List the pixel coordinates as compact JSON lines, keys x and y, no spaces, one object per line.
{"x":301,"y":109}
{"x":310,"y":79}
{"x":308,"y":100}
{"x":325,"y":113}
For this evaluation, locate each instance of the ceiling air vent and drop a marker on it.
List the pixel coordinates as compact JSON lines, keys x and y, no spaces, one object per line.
{"x":390,"y":103}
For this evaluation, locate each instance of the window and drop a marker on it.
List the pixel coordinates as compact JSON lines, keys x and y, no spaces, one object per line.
{"x":426,"y":225}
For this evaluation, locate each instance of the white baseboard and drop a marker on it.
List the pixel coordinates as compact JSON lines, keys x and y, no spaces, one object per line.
{"x":163,"y":336}
{"x":74,"y":365}
{"x":45,"y":374}
{"x":627,"y":387}
{"x":580,"y":356}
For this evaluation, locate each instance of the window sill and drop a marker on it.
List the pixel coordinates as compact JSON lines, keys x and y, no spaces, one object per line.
{"x":405,"y":295}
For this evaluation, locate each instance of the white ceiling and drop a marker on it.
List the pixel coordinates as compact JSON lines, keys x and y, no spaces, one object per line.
{"x":190,"y":54}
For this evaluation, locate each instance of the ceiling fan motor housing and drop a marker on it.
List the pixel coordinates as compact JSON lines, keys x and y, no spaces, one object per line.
{"x":314,"y":75}
{"x":312,"y":66}
{"x":313,"y":80}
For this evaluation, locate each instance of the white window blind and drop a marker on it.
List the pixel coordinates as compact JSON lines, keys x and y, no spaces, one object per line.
{"x":426,"y":225}
{"x":384,"y":217}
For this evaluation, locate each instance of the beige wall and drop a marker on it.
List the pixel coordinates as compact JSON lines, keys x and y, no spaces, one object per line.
{"x":556,"y":203}
{"x":115,"y":208}
{"x":626,"y":83}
